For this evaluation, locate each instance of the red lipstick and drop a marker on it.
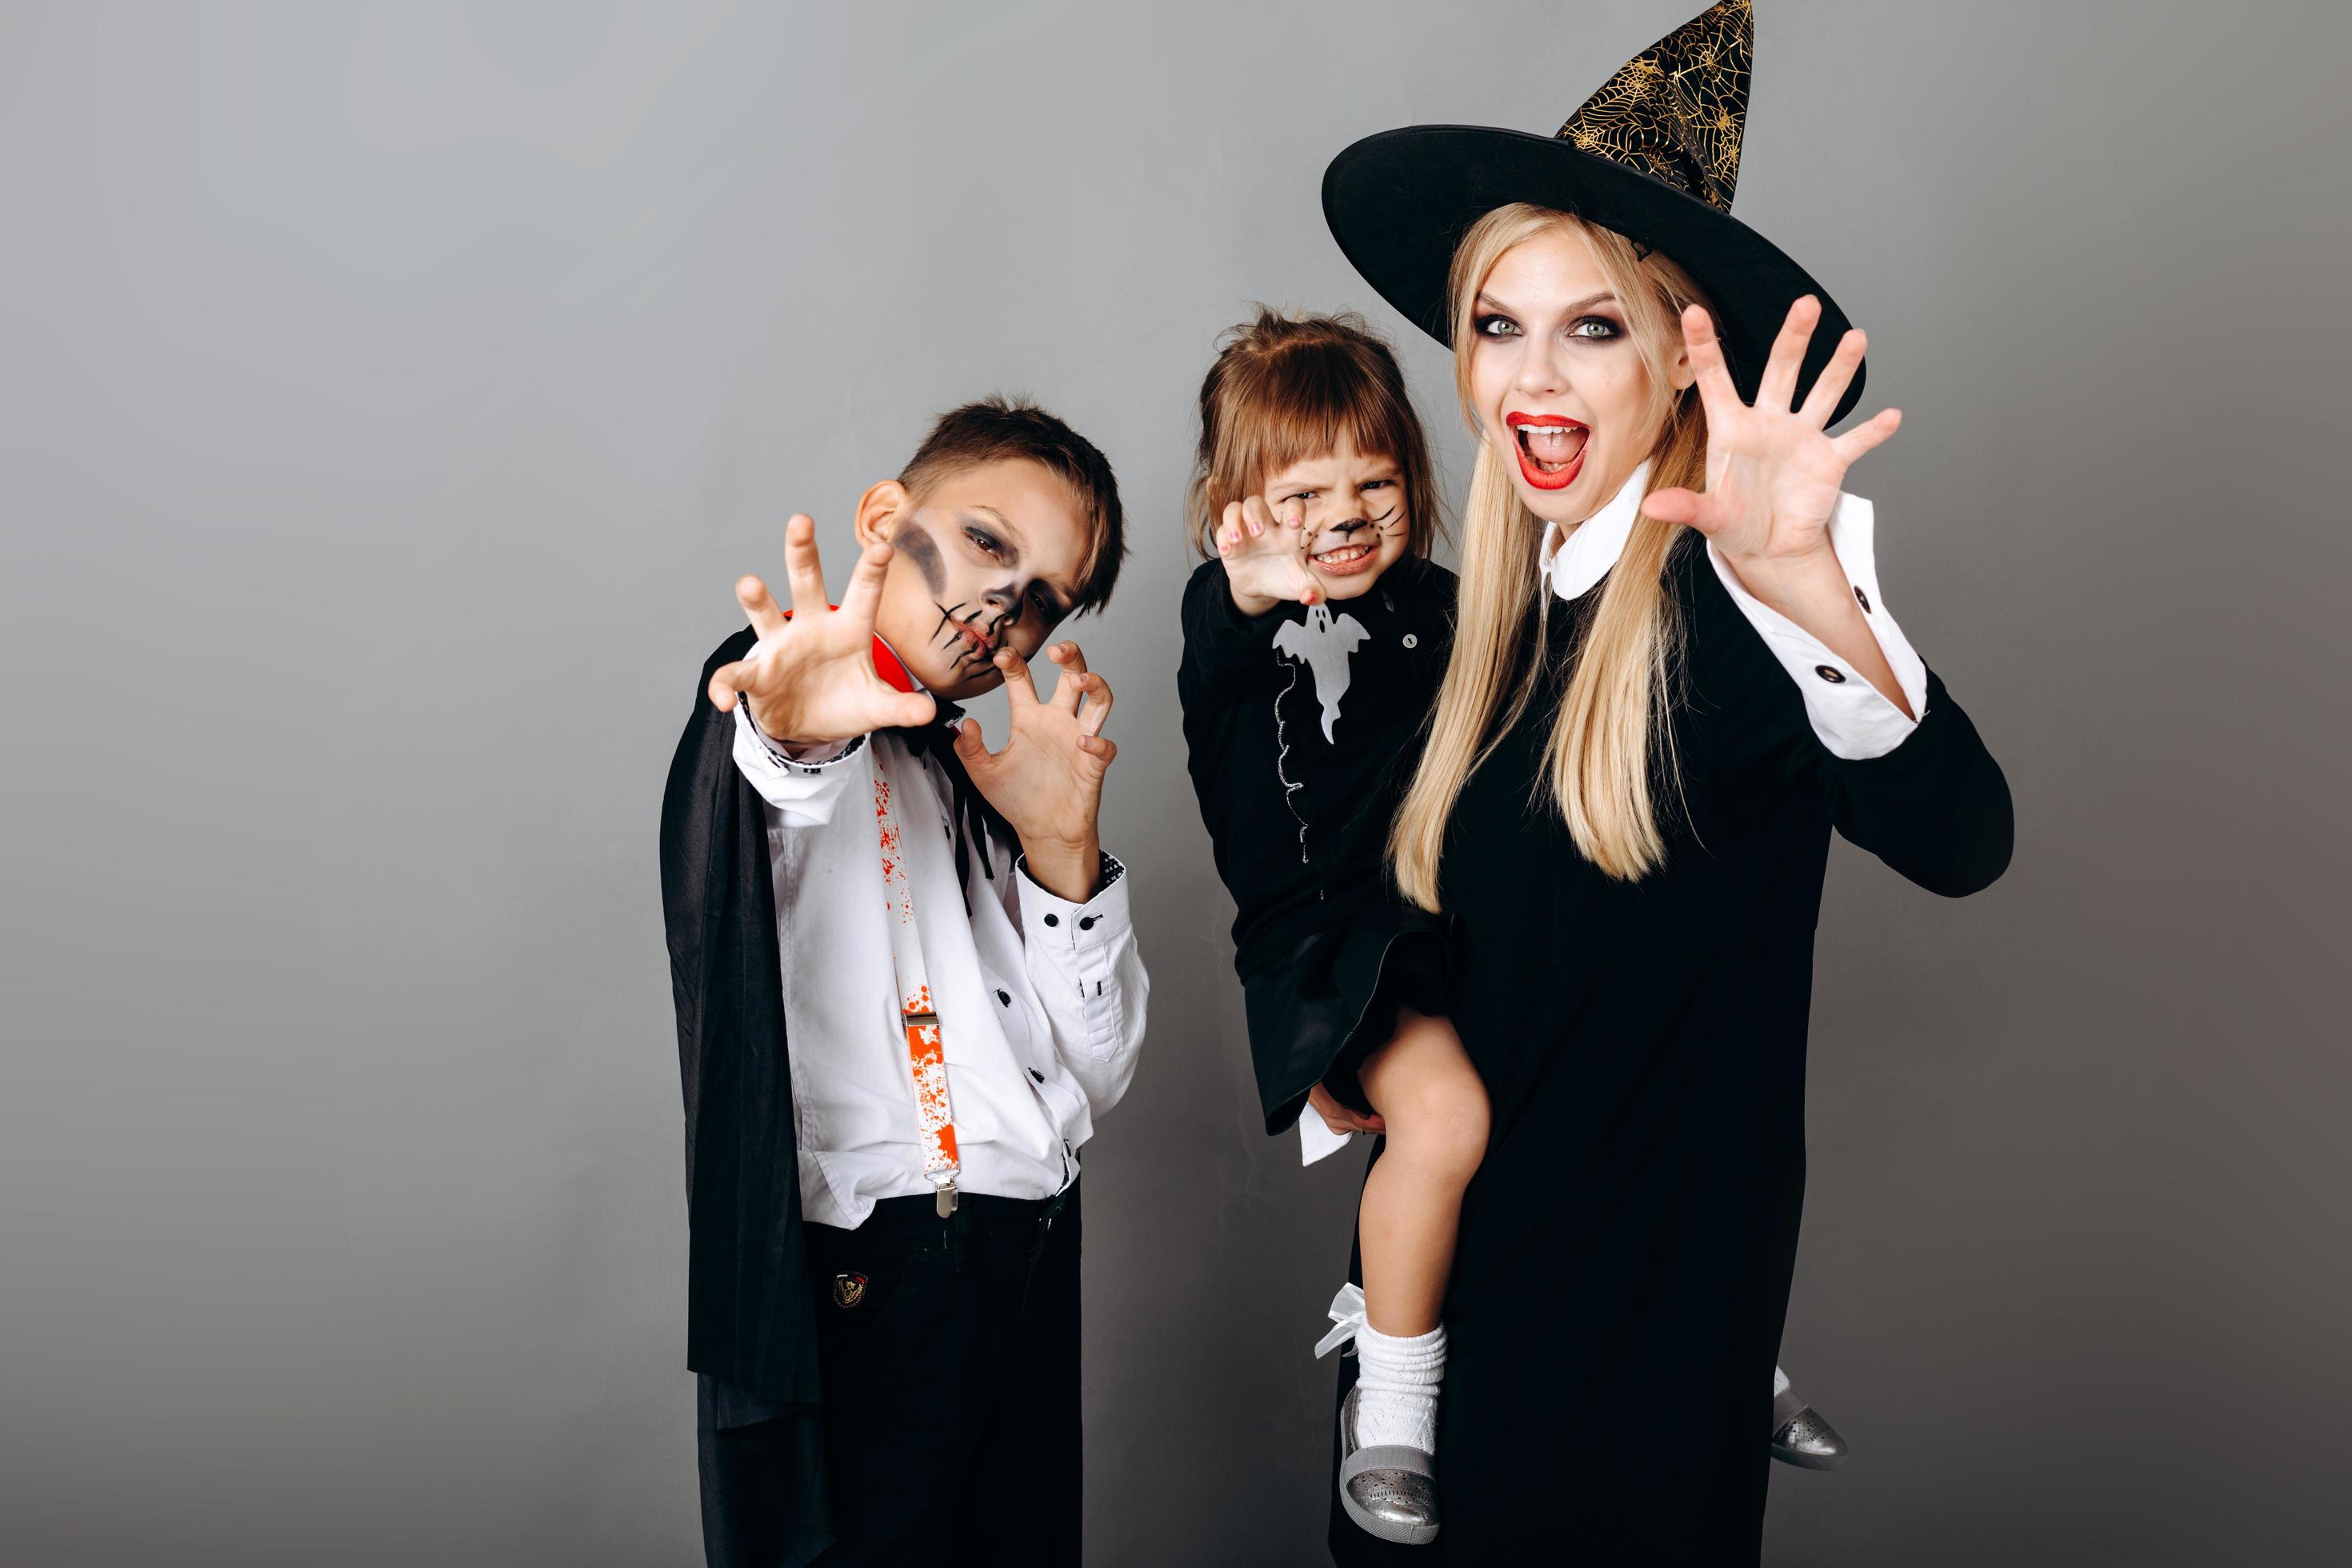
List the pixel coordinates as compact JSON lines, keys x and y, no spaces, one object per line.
{"x":1550,"y":448}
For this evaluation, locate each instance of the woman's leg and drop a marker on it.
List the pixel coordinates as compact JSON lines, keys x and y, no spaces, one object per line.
{"x":1424,"y":1088}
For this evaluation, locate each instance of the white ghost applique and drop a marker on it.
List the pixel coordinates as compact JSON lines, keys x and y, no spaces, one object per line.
{"x":1323,"y":645}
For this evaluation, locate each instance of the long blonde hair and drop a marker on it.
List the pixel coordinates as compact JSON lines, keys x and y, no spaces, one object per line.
{"x":1611,"y":732}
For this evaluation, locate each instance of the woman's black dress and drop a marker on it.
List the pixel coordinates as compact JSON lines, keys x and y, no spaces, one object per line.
{"x":1615,"y":1309}
{"x":1301,"y":728}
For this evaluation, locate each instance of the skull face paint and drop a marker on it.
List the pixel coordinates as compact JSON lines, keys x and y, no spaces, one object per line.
{"x":991,"y":558}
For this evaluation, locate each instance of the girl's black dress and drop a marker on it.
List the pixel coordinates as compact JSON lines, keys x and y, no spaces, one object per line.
{"x":1303,"y":726}
{"x":1623,"y":1265}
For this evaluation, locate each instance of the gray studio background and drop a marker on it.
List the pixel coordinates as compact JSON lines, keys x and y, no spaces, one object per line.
{"x":389,"y":396}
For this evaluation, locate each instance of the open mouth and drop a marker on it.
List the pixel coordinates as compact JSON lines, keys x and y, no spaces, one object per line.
{"x":1344,"y":559}
{"x":1550,"y":448}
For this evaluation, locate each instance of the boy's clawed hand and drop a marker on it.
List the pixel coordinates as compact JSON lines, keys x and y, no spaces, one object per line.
{"x":1047,"y":780}
{"x":1265,"y":556}
{"x":809,"y":679}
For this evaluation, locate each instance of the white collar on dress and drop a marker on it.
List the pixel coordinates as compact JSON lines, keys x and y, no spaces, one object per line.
{"x":1588,"y":552}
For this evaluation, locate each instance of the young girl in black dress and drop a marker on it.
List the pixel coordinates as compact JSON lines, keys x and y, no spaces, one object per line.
{"x":1315,"y":641}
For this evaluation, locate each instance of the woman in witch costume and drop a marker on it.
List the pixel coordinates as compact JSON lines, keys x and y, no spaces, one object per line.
{"x":1673,"y":675}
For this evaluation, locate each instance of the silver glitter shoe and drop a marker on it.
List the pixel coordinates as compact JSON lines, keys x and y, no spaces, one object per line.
{"x":1801,"y":1438}
{"x":1390,"y":1490}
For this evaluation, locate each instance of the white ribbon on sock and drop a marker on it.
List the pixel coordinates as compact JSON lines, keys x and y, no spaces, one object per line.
{"x":1348,"y":1315}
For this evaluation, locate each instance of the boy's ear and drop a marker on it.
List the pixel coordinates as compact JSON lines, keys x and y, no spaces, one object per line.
{"x":878,"y":511}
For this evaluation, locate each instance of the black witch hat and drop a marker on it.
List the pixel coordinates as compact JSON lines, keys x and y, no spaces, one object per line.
{"x":1654,"y":154}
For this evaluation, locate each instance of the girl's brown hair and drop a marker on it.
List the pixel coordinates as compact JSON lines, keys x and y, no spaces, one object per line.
{"x":1285,"y":389}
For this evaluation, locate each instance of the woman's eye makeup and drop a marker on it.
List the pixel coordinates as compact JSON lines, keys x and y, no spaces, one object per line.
{"x":1495,"y":326}
{"x":1595,"y":328}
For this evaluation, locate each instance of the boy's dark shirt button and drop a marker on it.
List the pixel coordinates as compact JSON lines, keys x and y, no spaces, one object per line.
{"x":1036,"y":1074}
{"x":1087,"y":923}
{"x":1053,"y":919}
{"x":1005,"y":997}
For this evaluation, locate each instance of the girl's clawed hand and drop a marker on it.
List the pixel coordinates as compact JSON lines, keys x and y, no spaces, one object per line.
{"x":1265,"y":556}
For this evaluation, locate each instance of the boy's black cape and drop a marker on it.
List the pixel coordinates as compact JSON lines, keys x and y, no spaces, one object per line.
{"x":748,"y":1311}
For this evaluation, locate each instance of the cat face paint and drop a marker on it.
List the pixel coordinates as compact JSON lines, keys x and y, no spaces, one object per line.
{"x":1356,"y":521}
{"x":992,"y":559}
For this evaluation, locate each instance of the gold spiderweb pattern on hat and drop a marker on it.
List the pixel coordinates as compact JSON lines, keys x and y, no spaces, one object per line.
{"x":1675,"y":111}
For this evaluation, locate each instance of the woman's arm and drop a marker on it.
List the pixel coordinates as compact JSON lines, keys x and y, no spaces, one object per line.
{"x":1936,"y":808}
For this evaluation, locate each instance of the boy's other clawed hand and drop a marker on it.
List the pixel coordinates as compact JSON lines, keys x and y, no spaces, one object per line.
{"x":1265,"y":556}
{"x":809,"y":679}
{"x":1047,"y":780}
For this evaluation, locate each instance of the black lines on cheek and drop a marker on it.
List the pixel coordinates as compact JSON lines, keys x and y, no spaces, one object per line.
{"x":914,"y":541}
{"x":1382,"y":524}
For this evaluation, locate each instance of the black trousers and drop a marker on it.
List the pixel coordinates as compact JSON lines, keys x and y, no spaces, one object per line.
{"x":948,"y":1354}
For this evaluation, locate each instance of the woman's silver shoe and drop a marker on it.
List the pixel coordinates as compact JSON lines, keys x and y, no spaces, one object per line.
{"x":1390,"y":1490}
{"x":1801,"y":1438}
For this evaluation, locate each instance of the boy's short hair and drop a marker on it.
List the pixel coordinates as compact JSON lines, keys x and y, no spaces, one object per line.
{"x":997,"y":429}
{"x":1285,"y":389}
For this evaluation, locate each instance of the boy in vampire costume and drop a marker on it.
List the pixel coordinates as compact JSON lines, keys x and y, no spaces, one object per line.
{"x":906,"y":985}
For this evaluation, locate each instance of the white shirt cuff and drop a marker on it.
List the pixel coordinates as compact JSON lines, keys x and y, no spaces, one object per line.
{"x":1853,"y":720}
{"x":802,"y":785}
{"x":1084,"y":948}
{"x":1050,"y":920}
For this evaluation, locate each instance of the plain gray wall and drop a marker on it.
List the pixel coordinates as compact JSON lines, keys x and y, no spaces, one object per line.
{"x":388,"y":399}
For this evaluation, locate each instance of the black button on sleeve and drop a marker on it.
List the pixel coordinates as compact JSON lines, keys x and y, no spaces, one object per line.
{"x":1828,"y":672}
{"x":1005,"y":997}
{"x":1036,"y":1074}
{"x":1862,"y":598}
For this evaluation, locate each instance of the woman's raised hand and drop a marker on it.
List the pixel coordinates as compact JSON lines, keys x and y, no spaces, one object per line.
{"x":809,"y":679}
{"x":1265,"y":556}
{"x":1774,"y":471}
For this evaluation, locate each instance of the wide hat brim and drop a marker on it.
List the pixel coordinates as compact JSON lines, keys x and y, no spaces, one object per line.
{"x":1400,"y":201}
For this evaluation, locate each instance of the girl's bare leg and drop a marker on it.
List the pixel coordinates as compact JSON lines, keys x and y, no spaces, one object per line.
{"x":1430,"y":1097}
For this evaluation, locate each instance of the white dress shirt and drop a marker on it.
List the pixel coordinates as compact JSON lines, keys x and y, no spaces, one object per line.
{"x":1041,"y":1001}
{"x":1852,"y":717}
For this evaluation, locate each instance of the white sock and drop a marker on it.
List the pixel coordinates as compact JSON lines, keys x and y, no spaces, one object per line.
{"x":1397,"y":1381}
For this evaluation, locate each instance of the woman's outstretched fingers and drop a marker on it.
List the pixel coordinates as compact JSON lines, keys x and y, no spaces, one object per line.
{"x":759,"y":607}
{"x":1835,"y":377}
{"x":1705,"y":349}
{"x":803,"y":575}
{"x":1778,"y":390}
{"x":1870,"y":433}
{"x":1101,"y":748}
